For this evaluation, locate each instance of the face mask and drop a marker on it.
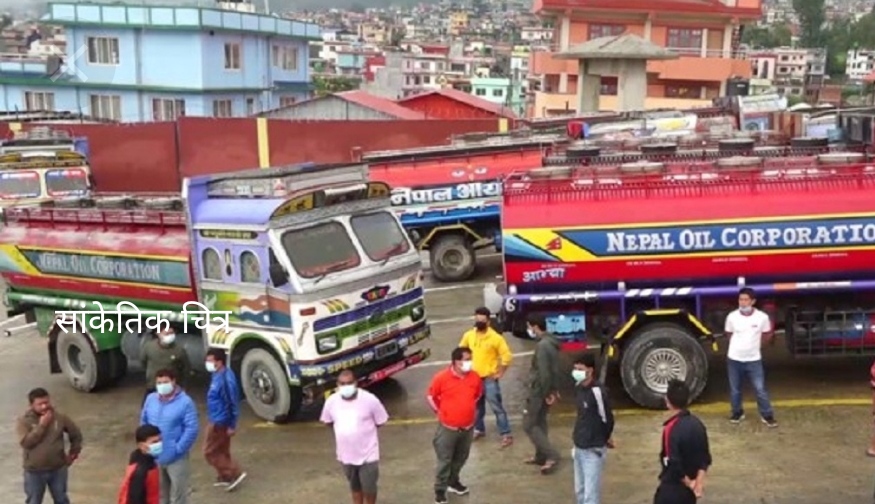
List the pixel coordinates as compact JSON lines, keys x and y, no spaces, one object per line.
{"x":481,"y":325}
{"x":347,"y":391}
{"x":531,"y":333}
{"x":168,"y":338}
{"x":466,"y":366}
{"x":155,"y":449}
{"x":747,"y":310}
{"x":211,"y":367}
{"x":164,"y":388}
{"x":579,"y":375}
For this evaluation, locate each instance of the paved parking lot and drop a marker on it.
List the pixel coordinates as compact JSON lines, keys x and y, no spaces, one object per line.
{"x":816,"y":456}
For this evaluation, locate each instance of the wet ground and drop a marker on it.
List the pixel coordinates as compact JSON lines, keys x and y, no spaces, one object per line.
{"x":816,"y":456}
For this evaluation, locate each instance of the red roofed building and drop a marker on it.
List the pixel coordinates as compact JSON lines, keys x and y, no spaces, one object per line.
{"x":346,"y":106}
{"x":453,"y":104}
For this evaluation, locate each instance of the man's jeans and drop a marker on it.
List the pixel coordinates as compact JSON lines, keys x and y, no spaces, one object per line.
{"x":588,"y":466}
{"x":36,"y":482}
{"x":492,"y":395}
{"x":754,"y":371}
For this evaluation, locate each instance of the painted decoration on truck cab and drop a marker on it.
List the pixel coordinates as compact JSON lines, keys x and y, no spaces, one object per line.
{"x":261,"y":309}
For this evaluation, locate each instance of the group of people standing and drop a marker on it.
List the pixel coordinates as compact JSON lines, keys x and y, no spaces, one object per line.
{"x":159,"y":469}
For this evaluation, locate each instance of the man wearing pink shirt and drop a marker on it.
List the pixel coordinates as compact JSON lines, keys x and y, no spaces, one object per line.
{"x":355,"y":416}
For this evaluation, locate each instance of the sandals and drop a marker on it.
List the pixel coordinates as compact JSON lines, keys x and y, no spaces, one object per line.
{"x":506,"y":441}
{"x":533,"y":461}
{"x":870,"y":453}
{"x":549,"y":467}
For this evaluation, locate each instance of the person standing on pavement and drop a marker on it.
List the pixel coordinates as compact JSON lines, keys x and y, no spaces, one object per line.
{"x":162,"y":352}
{"x":174,"y":413}
{"x":685,"y":455}
{"x":355,"y":415}
{"x":453,"y":395}
{"x":141,"y":484}
{"x":41,"y":434}
{"x":223,"y":412}
{"x":748,"y":329}
{"x":592,"y":431}
{"x":491,"y":357}
{"x":543,"y":393}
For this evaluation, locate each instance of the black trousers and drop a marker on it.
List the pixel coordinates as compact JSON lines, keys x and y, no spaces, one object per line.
{"x":674,"y":493}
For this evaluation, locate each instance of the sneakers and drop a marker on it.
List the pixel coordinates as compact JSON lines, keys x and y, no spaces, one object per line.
{"x":440,"y":497}
{"x":477,"y":435}
{"x":770,"y":421}
{"x":221,"y":483}
{"x":234,"y":484}
{"x":458,"y":489}
{"x":736,"y":418}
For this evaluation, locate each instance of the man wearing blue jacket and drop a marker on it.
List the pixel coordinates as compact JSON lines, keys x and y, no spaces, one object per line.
{"x":223,"y":411}
{"x":174,"y":413}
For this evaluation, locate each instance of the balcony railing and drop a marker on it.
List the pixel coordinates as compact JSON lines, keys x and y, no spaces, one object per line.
{"x":694,"y":52}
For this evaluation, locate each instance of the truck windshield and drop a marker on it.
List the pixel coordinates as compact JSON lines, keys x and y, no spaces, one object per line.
{"x":69,"y":182}
{"x":20,"y":184}
{"x":320,"y":249}
{"x":380,"y":235}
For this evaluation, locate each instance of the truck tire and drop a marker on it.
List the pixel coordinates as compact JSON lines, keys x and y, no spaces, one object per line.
{"x":658,"y":353}
{"x":267,"y":388}
{"x":86,"y":369}
{"x":452,"y":258}
{"x":118,"y":365}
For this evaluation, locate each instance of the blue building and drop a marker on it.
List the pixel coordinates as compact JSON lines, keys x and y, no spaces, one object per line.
{"x":154,"y":63}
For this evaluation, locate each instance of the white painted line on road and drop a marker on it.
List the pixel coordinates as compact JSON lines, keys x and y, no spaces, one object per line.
{"x":447,"y":363}
{"x":455,"y":287}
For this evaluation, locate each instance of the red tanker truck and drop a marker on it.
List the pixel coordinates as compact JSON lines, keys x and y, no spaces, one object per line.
{"x":648,"y":258}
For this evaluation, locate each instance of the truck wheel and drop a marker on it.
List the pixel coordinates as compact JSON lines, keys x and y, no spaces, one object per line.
{"x":452,"y":258}
{"x":657,"y":354}
{"x":267,"y":388}
{"x":79,"y":363}
{"x":118,"y":365}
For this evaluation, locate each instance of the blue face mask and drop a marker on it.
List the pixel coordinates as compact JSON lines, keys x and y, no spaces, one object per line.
{"x":211,"y":367}
{"x":155,"y":449}
{"x":579,"y":375}
{"x":346,"y":391}
{"x":164,"y":388}
{"x":747,"y":310}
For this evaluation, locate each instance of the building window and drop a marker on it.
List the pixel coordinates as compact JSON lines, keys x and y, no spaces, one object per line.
{"x":222,"y":108}
{"x":285,"y":57}
{"x":232,"y":56}
{"x":287,"y":101}
{"x":106,"y":107}
{"x":498,"y":93}
{"x":38,"y":101}
{"x":102,"y":50}
{"x":692,"y":93}
{"x":603,"y":30}
{"x":167,"y":109}
{"x":480,"y":92}
{"x":684,"y":38}
{"x":250,"y":106}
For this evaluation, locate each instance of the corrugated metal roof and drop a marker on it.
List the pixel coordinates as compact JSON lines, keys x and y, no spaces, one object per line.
{"x":467,"y":99}
{"x":386,"y":106}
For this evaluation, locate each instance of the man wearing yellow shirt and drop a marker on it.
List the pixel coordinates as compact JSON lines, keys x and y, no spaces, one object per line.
{"x":491,"y":357}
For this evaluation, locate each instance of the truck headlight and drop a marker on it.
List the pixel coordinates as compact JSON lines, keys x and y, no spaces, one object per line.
{"x":327,"y":344}
{"x":511,"y":289}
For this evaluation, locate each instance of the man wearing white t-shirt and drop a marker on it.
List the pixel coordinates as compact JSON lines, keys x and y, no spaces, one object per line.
{"x":747,"y":329}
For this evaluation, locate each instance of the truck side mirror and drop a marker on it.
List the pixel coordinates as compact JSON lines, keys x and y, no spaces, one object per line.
{"x":91,"y":184}
{"x":278,"y":275}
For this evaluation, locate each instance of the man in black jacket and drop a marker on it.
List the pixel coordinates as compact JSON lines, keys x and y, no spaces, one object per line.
{"x":592,"y":431}
{"x":685,"y":454}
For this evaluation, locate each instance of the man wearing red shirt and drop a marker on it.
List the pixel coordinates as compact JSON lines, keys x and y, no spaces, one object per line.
{"x":453,"y":395}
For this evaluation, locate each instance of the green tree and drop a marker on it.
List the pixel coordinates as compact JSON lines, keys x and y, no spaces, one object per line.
{"x":812,"y":16}
{"x":329,"y":84}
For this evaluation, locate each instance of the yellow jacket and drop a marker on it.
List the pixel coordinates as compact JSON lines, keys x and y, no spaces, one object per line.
{"x":489,"y":350}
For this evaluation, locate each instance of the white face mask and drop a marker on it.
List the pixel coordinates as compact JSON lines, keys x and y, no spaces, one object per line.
{"x":346,"y":391}
{"x":168,"y":338}
{"x":747,"y":310}
{"x":466,"y":366}
{"x":531,"y":333}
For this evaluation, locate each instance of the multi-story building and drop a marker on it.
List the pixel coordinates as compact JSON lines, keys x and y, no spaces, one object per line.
{"x":536,"y":34}
{"x":793,"y":72}
{"x":144,"y":63}
{"x":501,"y":91}
{"x":705,"y":34}
{"x":859,"y":63}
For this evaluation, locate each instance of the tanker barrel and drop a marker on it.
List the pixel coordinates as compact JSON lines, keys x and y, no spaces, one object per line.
{"x":834,"y":158}
{"x":739,"y":162}
{"x":736,"y":145}
{"x":581,"y":150}
{"x":642,"y":167}
{"x":659,"y":148}
{"x":809,"y":143}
